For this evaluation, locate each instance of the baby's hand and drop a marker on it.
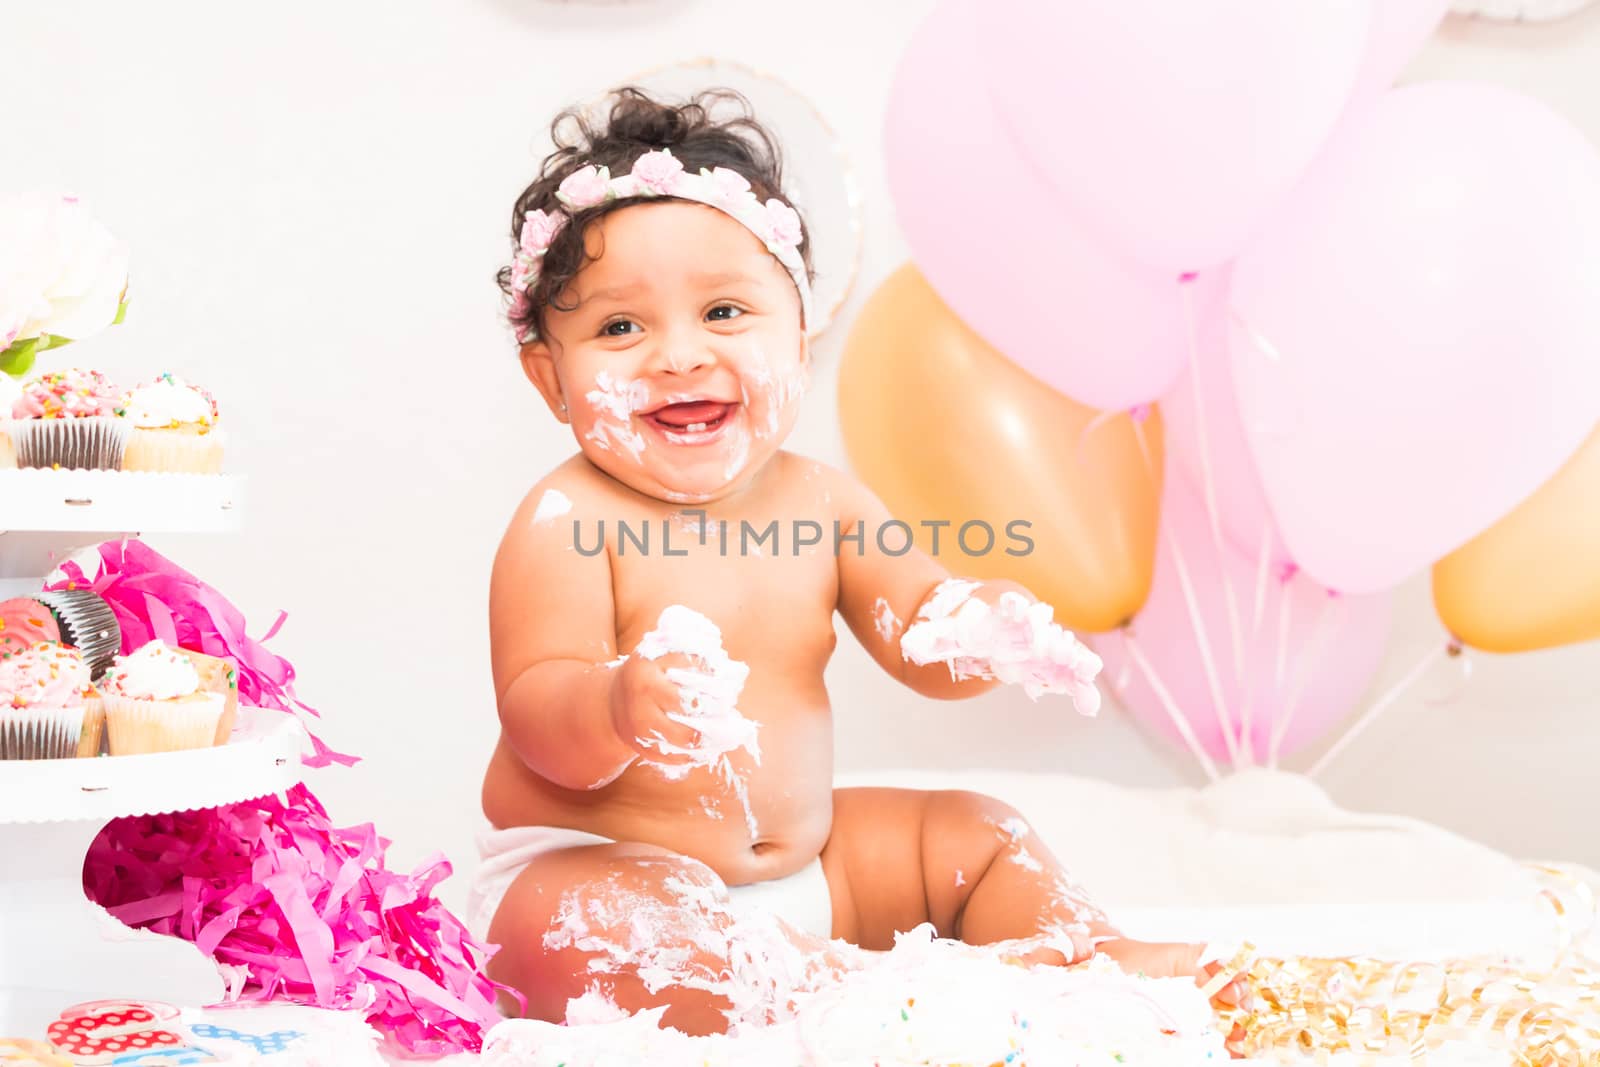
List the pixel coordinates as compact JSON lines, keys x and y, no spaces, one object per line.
{"x":642,"y":696}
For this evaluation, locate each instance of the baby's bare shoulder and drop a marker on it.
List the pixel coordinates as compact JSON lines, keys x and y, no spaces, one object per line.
{"x":574,"y":488}
{"x":543,"y":521}
{"x":833,"y":492}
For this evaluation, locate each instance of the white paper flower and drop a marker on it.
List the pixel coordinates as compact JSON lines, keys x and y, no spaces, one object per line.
{"x":62,"y":274}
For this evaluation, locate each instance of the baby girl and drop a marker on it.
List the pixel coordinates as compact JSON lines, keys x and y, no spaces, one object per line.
{"x":661,"y":611}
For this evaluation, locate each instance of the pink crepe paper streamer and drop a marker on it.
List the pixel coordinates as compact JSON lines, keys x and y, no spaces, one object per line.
{"x":155,"y":599}
{"x":307,"y":909}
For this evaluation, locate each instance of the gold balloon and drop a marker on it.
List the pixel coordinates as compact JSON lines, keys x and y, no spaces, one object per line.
{"x":1532,"y":580}
{"x":943,"y":427}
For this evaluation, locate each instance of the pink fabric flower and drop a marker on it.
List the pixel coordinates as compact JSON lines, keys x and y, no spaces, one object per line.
{"x":783,"y":224}
{"x":539,"y":230}
{"x":728,"y":187}
{"x":585,"y":188}
{"x":658,"y":172}
{"x":522,"y":272}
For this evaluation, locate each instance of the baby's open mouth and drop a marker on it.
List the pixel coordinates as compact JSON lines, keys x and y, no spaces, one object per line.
{"x":690,"y":422}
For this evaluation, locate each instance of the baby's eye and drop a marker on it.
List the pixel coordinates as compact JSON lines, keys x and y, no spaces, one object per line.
{"x":619,"y":328}
{"x":724,"y":312}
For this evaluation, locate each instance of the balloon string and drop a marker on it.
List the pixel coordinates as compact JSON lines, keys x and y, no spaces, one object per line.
{"x":1252,"y":679}
{"x":1280,"y":667}
{"x":1263,"y":558}
{"x":1463,"y":678}
{"x":1378,"y":707}
{"x":1089,"y":428}
{"x":1208,"y":481}
{"x":1196,"y":620}
{"x":1170,"y":706}
{"x":1309,"y":660}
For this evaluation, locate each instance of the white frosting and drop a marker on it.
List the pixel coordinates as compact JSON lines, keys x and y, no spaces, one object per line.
{"x":614,"y":401}
{"x":552,"y":505}
{"x":1014,"y":641}
{"x":168,"y":401}
{"x":709,"y":691}
{"x":929,"y":1001}
{"x":154,"y":672}
{"x":885,"y":621}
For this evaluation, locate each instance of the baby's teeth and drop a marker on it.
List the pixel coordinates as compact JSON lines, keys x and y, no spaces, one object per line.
{"x":695,"y":427}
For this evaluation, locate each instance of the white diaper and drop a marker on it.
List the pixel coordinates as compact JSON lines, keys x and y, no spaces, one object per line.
{"x":801,"y":899}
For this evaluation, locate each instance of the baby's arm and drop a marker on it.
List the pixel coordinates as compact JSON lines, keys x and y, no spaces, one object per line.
{"x":551,"y":634}
{"x":880,"y":594}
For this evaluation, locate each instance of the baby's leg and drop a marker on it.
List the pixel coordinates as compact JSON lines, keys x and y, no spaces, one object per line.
{"x":975,"y":869}
{"x":645,"y":927}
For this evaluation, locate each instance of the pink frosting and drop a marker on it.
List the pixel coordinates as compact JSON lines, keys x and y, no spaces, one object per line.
{"x":69,"y":394}
{"x":23,"y":624}
{"x":44,"y":676}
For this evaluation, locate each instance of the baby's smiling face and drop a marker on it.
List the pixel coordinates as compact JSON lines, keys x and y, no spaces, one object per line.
{"x":678,"y":352}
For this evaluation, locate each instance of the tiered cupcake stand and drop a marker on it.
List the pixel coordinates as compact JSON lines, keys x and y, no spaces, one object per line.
{"x":57,"y":948}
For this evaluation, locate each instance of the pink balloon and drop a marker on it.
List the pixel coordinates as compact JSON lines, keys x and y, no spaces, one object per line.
{"x":1416,"y":340}
{"x":1398,"y":30}
{"x":1330,"y":646}
{"x":1174,"y":127}
{"x":1203,"y":398}
{"x":1001,"y":251}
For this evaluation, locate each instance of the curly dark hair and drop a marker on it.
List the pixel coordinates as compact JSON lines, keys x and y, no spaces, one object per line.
{"x":701,"y":132}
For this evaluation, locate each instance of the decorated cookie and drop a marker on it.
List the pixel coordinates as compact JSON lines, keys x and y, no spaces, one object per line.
{"x":16,"y":1052}
{"x":261,"y":1044}
{"x":103,"y":1030}
{"x":167,"y":1057}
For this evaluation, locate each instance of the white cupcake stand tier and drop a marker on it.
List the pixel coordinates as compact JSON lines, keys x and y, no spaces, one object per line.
{"x":57,"y":948}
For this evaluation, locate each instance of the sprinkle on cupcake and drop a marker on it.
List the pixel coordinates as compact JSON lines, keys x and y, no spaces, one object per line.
{"x":169,"y":402}
{"x":68,"y":394}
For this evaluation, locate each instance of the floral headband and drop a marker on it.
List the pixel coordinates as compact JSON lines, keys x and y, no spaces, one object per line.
{"x":658,"y":173}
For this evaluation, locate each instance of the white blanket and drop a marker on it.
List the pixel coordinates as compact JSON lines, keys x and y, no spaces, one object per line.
{"x":1266,"y":857}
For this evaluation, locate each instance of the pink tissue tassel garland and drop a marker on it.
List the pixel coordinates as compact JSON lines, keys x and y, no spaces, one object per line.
{"x":307,"y":909}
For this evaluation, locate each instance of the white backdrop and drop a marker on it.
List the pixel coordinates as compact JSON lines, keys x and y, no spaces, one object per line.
{"x":317,"y":195}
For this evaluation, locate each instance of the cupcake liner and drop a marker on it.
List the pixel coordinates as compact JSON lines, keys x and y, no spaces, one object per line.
{"x":174,"y":451}
{"x":94,"y":728}
{"x":95,"y":442}
{"x":87,"y":624}
{"x":219,"y":676}
{"x":138,"y":726}
{"x":40,"y":733}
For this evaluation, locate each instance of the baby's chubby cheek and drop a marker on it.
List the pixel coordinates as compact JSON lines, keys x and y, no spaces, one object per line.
{"x":771,"y":391}
{"x":602,"y":413}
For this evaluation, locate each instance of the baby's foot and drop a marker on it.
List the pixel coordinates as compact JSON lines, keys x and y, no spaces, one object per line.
{"x":1170,"y":960}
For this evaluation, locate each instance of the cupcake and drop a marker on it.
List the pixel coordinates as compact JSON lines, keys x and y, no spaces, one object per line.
{"x":44,"y":700}
{"x":220,"y":676}
{"x":69,"y":419}
{"x":10,"y":393}
{"x":154,"y":702}
{"x":24,"y":622}
{"x":175,"y":428}
{"x":87,"y":623}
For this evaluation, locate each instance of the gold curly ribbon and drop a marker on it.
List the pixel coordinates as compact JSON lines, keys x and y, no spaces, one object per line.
{"x":1308,"y":1009}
